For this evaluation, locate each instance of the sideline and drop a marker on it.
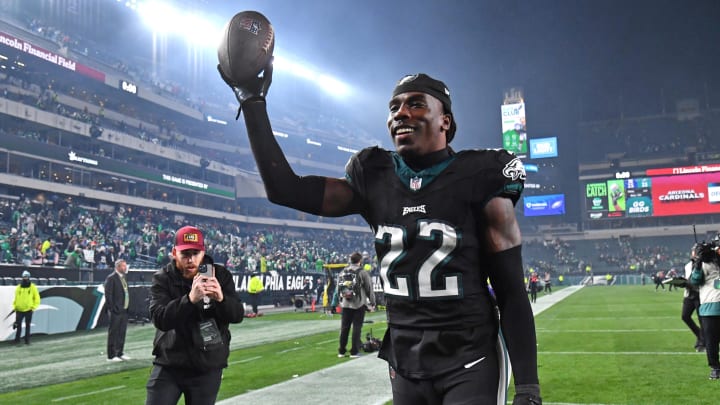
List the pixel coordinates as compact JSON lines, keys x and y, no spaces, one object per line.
{"x":365,"y":379}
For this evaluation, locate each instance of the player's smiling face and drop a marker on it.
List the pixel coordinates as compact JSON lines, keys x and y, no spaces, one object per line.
{"x":417,"y":124}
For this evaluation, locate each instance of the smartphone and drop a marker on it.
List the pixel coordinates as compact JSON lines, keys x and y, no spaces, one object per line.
{"x":207,"y":270}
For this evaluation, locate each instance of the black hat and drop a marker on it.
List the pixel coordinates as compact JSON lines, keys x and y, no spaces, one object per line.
{"x":425,"y":84}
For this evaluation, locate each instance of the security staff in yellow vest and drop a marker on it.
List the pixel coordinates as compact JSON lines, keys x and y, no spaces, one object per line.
{"x":27,"y":300}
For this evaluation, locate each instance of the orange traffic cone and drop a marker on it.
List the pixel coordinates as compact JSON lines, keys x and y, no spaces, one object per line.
{"x":312,"y":305}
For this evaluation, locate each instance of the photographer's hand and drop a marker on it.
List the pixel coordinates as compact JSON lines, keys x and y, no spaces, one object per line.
{"x":213,"y":289}
{"x":198,"y":290}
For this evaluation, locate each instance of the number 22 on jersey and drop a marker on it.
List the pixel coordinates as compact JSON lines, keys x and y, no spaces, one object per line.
{"x":400,"y":285}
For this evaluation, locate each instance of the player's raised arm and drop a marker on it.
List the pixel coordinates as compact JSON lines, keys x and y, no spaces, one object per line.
{"x":245,"y":64}
{"x":313,"y":194}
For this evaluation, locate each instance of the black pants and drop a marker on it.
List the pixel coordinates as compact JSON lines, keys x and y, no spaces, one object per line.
{"x":166,"y":384}
{"x":19,"y":316}
{"x":479,"y":384}
{"x":711,"y":330}
{"x":351,"y":317}
{"x":689,"y":306}
{"x":116,"y":334}
{"x":254,"y":299}
{"x":533,"y":292}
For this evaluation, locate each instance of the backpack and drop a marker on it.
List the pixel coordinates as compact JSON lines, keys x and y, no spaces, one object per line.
{"x":349,"y":283}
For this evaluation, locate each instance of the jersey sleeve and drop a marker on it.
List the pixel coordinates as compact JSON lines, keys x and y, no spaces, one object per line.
{"x":362,"y":166}
{"x":354,"y":173}
{"x":504,"y":175}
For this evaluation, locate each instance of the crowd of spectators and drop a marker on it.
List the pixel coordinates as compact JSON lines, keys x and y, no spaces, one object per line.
{"x":662,"y":135}
{"x":49,"y":232}
{"x":628,"y":255}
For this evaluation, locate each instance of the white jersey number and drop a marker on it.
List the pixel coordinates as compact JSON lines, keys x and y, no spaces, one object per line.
{"x":395,"y":237}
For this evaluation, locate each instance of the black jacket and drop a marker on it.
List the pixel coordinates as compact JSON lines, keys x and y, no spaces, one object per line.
{"x":114,"y":293}
{"x":177,"y":341}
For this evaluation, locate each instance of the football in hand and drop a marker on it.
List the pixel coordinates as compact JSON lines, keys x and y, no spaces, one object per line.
{"x":246,"y":46}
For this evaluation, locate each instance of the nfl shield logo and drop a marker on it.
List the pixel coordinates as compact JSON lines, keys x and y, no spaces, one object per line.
{"x":415,"y":183}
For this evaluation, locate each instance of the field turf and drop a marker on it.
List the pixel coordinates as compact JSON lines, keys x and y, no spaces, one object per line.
{"x":600,"y":345}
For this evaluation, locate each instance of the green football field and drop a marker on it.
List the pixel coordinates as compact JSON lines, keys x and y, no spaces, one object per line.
{"x":599,"y":345}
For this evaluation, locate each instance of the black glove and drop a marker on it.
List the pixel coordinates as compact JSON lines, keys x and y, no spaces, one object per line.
{"x":255,"y":88}
{"x":527,"y":394}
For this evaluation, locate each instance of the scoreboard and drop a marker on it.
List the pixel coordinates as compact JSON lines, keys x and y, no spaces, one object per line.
{"x":674,"y":191}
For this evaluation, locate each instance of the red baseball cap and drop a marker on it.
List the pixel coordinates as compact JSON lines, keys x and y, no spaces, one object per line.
{"x":189,"y":237}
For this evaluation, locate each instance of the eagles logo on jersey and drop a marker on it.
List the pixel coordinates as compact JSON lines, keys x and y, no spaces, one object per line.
{"x":514,"y":170}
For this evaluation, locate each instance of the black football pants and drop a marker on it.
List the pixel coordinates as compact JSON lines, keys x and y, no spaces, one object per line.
{"x":479,"y":384}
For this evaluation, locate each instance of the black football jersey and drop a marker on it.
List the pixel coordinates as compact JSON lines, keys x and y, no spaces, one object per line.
{"x":427,"y":231}
{"x":428,"y":238}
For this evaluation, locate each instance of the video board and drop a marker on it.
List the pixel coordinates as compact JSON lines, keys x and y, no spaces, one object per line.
{"x":541,"y":205}
{"x":689,"y":190}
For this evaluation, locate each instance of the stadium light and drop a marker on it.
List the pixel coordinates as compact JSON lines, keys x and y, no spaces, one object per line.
{"x":333,"y":86}
{"x":161,"y":17}
{"x":164,"y":18}
{"x":327,"y":83}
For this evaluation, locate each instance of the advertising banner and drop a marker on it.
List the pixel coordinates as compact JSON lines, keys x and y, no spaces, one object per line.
{"x":514,"y":129}
{"x":686,"y":195}
{"x":539,"y":205}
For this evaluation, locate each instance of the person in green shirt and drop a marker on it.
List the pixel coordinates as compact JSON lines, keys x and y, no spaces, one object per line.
{"x":74,"y":259}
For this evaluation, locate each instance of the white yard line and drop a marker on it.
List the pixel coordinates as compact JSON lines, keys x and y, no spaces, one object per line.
{"x":85,"y":394}
{"x":244,"y":360}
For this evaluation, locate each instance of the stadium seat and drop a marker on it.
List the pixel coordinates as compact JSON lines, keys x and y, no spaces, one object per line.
{"x":62,"y":281}
{"x":42,"y":281}
{"x":52,"y":281}
{"x":9,"y":280}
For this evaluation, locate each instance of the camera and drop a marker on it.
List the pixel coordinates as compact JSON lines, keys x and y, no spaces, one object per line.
{"x":707,"y":251}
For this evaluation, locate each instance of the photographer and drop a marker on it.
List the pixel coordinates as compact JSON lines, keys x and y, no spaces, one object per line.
{"x":192,"y":302}
{"x":706,"y":275}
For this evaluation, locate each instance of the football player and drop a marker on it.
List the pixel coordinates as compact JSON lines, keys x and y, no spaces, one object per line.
{"x":444,"y":223}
